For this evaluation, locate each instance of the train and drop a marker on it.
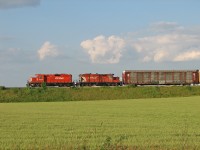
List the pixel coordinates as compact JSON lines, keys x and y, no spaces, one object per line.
{"x":129,"y":77}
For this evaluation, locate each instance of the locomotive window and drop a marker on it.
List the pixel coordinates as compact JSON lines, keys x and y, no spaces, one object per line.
{"x":40,"y":77}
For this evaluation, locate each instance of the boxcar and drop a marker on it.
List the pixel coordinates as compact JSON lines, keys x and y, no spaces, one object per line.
{"x":50,"y":80}
{"x":90,"y":79}
{"x":160,"y":77}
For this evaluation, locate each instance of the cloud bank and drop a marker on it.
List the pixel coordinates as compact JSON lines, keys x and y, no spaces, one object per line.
{"x":170,"y":42}
{"x":6,"y":4}
{"x":47,"y":50}
{"x":167,"y":47}
{"x":104,"y":50}
{"x":164,"y":42}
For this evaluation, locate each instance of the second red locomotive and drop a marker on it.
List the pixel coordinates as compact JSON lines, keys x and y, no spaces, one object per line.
{"x":89,"y":79}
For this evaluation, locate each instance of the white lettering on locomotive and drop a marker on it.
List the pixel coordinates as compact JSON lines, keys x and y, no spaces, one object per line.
{"x":59,"y":78}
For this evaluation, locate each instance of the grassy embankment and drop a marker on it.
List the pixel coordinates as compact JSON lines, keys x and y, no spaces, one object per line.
{"x":100,"y":93}
{"x":163,"y":123}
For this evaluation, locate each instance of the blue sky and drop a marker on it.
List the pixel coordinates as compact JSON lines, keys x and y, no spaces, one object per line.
{"x":90,"y":36}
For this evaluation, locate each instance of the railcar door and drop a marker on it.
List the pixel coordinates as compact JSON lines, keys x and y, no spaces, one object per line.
{"x":195,"y":77}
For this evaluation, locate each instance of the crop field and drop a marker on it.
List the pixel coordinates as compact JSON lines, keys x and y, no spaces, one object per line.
{"x":159,"y":123}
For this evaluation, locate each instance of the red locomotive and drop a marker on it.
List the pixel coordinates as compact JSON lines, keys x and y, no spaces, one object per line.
{"x":50,"y":80}
{"x":98,"y":80}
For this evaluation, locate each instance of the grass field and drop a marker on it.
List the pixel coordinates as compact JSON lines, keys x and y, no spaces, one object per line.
{"x":161,"y":123}
{"x":10,"y":95}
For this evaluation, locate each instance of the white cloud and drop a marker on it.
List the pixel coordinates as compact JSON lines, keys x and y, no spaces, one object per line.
{"x":46,"y":50}
{"x":5,"y":4}
{"x":187,"y":56}
{"x":161,"y":42}
{"x":147,"y":59}
{"x":104,"y":50}
{"x":171,"y":45}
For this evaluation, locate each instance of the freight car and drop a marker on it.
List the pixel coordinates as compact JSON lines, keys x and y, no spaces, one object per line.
{"x":50,"y":80}
{"x":160,"y":77}
{"x":90,"y":79}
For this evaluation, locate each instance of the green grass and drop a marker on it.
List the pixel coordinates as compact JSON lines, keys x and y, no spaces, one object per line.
{"x":100,"y":93}
{"x":163,"y":123}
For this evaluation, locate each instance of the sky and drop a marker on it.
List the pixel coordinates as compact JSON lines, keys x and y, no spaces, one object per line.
{"x":96,"y":36}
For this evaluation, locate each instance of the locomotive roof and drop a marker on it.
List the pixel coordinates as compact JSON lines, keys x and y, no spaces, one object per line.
{"x":56,"y":74}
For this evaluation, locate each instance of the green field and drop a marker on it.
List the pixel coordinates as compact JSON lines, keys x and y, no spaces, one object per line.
{"x":161,"y":123}
{"x":9,"y":95}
